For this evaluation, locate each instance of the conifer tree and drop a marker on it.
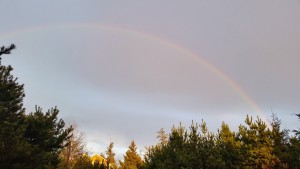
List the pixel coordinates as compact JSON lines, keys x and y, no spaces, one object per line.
{"x":293,"y":158}
{"x":47,"y":136}
{"x":162,"y":136}
{"x":110,"y":157}
{"x":256,"y":145}
{"x":210,"y":154}
{"x":132,"y":160}
{"x":297,"y":131}
{"x":26,"y":141}
{"x":193,"y":146}
{"x":13,"y":148}
{"x":229,"y":147}
{"x":280,"y":141}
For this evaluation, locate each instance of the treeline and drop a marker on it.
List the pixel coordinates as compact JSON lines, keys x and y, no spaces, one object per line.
{"x":255,"y":145}
{"x":39,"y":140}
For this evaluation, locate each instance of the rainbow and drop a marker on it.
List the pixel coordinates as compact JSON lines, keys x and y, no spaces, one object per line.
{"x":157,"y":39}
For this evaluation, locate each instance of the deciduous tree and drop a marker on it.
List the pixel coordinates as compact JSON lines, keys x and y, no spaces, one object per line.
{"x":75,"y":147}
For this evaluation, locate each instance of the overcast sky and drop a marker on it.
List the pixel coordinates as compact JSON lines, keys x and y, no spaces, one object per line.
{"x":123,"y":70}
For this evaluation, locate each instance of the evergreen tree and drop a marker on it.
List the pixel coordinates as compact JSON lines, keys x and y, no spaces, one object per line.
{"x":13,"y":148}
{"x":186,"y":150}
{"x":26,"y":141}
{"x":256,"y":145}
{"x":110,"y":159}
{"x":162,"y":136}
{"x":209,"y":151}
{"x":293,"y":158}
{"x":7,"y":50}
{"x":175,"y":152}
{"x":193,"y":147}
{"x":132,"y":160}
{"x":280,"y":143}
{"x":229,"y":147}
{"x":297,"y":131}
{"x":47,"y":137}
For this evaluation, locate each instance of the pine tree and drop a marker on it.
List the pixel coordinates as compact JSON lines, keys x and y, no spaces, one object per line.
{"x":47,"y":136}
{"x":13,"y":148}
{"x":193,"y":146}
{"x":280,"y":141}
{"x":293,"y":158}
{"x":26,"y":141}
{"x":209,"y":152}
{"x":297,"y":131}
{"x":256,"y":145}
{"x":162,"y":136}
{"x":110,"y":159}
{"x":229,"y":147}
{"x":132,"y":160}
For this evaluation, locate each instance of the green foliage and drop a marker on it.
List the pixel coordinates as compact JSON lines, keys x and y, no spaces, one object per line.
{"x":293,"y":152}
{"x":257,"y":145}
{"x":253,"y":146}
{"x":194,"y":149}
{"x":26,"y":141}
{"x":297,"y":131}
{"x":229,"y":147}
{"x":46,"y":135}
{"x":12,"y":117}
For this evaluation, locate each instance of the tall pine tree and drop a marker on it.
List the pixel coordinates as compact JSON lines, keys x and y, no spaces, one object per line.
{"x":110,"y":159}
{"x":132,"y":160}
{"x":12,"y":117}
{"x":26,"y":141}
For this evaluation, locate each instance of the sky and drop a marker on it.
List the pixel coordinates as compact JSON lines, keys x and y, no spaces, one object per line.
{"x":122,"y":70}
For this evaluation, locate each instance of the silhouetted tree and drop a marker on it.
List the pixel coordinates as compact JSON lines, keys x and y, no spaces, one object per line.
{"x":13,"y":148}
{"x":26,"y":141}
{"x":7,"y":50}
{"x":47,"y":136}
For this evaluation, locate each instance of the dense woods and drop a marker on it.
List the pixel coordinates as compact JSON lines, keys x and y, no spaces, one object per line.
{"x":40,"y":140}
